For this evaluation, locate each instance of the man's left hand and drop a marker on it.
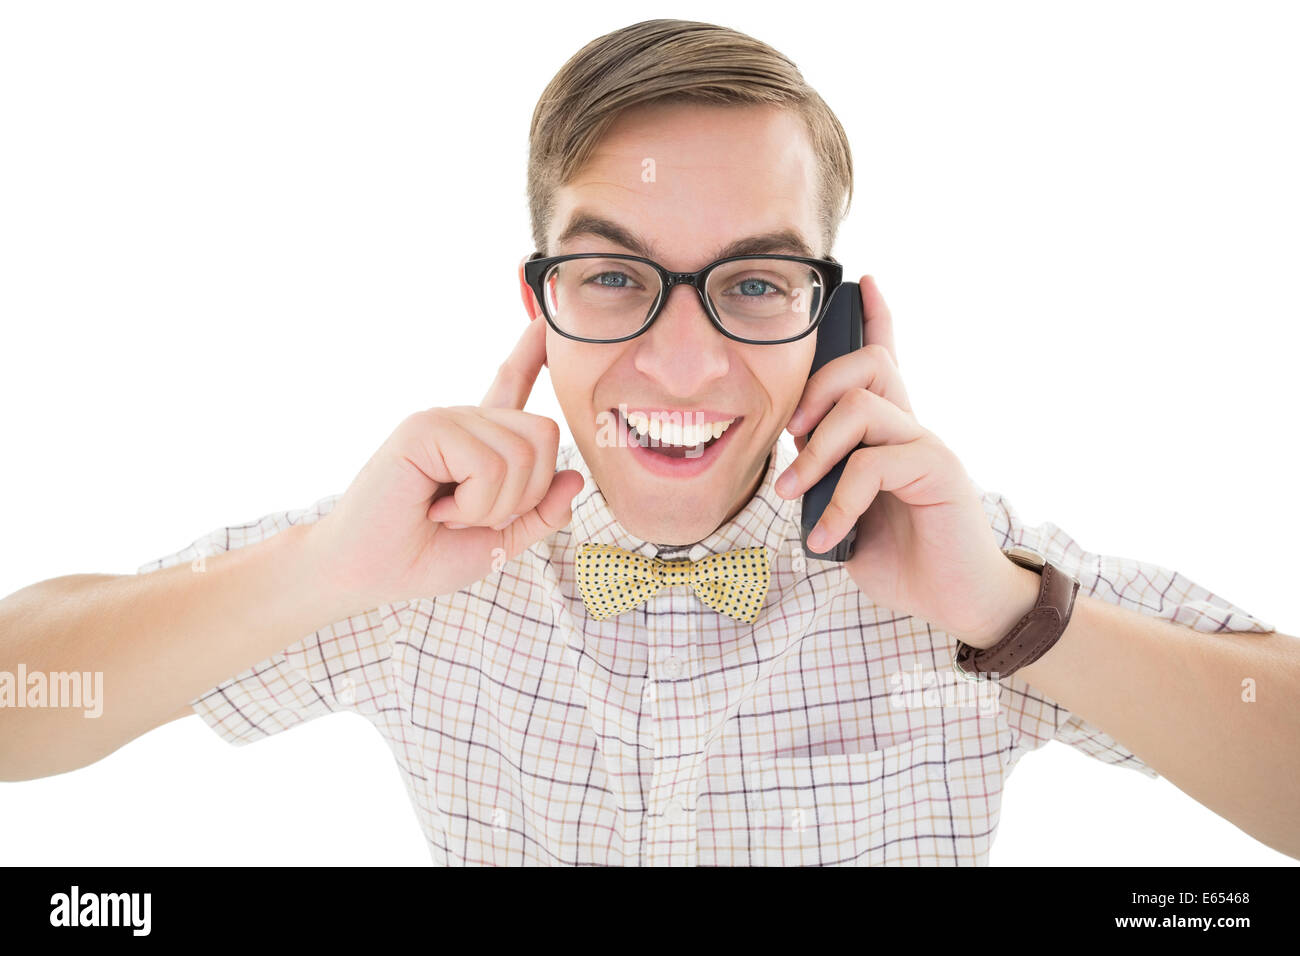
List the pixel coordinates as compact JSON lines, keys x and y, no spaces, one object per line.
{"x":924,"y":544}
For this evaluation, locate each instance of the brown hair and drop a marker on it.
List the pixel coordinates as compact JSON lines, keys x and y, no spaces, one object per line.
{"x":658,"y":61}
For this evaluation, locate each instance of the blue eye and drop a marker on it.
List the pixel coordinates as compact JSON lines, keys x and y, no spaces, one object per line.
{"x":599,"y":279}
{"x":753,"y":286}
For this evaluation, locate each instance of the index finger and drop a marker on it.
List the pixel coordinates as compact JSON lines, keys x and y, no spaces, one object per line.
{"x":877,"y":322}
{"x":518,"y":373}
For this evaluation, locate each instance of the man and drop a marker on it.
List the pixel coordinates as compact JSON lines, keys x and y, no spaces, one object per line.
{"x":489,"y":600}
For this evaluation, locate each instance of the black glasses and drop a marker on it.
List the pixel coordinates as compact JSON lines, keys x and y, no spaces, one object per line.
{"x":610,"y":297}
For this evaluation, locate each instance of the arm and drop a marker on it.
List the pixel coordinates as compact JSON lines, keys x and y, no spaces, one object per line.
{"x":1176,"y":698}
{"x":162,"y":639}
{"x":159,"y":639}
{"x":1170,"y":694}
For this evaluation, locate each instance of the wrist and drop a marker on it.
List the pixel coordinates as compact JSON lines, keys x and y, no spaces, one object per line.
{"x":317,"y":576}
{"x":1017,"y":596}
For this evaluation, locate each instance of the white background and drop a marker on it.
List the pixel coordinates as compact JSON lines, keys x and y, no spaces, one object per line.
{"x":237,"y":240}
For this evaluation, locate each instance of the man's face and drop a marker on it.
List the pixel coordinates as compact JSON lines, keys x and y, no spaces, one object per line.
{"x":721,"y":174}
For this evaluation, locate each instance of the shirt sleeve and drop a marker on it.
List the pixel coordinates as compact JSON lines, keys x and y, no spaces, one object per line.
{"x":1140,"y":586}
{"x":345,"y":666}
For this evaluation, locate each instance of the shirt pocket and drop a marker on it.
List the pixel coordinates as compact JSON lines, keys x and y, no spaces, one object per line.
{"x":870,"y":808}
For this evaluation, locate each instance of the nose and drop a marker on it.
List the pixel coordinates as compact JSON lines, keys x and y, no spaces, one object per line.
{"x":683,"y":351}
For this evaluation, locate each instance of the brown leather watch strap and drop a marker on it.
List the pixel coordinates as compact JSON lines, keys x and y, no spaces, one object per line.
{"x":1033,"y":635}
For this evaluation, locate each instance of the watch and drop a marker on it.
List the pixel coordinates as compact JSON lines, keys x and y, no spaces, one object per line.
{"x":1034,"y":634}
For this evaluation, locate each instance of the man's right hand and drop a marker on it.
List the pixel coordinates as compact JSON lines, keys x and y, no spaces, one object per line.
{"x":428,"y":513}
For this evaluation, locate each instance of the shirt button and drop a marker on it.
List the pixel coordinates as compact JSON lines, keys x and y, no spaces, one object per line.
{"x":798,"y":565}
{"x":672,"y":667}
{"x":673,"y":812}
{"x":698,"y":551}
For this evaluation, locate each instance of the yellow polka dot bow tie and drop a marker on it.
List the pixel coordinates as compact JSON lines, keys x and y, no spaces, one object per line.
{"x":613,"y":580}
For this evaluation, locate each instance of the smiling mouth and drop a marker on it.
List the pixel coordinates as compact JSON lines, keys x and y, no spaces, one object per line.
{"x":668,"y":445}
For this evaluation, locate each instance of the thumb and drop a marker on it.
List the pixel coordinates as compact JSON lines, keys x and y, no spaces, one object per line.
{"x":552,"y":514}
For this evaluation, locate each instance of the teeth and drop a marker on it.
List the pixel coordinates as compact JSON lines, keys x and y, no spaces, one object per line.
{"x":668,"y":432}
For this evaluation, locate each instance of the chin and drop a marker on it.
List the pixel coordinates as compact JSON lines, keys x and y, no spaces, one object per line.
{"x":643,"y":515}
{"x":655,"y":509}
{"x":676,"y":535}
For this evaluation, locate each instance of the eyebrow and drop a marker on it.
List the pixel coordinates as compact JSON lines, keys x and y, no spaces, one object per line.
{"x":582,"y":223}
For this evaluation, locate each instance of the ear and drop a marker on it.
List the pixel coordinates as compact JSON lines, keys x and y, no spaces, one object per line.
{"x":526,"y":293}
{"x":530,"y":300}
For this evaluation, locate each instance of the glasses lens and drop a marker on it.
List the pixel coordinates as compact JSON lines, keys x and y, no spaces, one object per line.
{"x":766,"y":299}
{"x":601,"y":298}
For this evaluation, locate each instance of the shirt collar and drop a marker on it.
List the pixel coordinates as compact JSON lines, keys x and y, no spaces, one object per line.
{"x":765,"y":520}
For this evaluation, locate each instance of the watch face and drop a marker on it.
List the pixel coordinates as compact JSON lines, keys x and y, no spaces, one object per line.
{"x":1026,"y":557}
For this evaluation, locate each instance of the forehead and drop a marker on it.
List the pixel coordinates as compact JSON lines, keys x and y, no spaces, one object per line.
{"x":691,"y":179}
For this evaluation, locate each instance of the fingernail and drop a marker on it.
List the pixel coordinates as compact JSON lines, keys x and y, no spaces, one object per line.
{"x":817,"y":540}
{"x":505,"y":524}
{"x":786,"y":482}
{"x":454,"y":525}
{"x":796,"y":421}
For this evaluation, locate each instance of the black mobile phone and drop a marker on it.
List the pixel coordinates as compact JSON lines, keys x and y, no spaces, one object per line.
{"x":839,"y":333}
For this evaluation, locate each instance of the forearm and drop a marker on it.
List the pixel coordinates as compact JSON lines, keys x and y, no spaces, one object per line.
{"x":158,"y":639}
{"x":1174,"y":696}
